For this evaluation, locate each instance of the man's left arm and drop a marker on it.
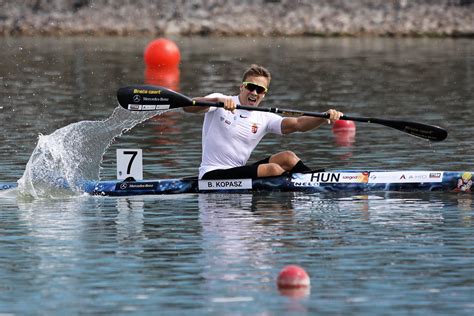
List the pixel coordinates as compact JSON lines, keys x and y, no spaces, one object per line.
{"x":307,"y":123}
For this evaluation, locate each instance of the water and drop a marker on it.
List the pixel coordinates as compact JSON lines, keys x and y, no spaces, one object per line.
{"x":219,"y":254}
{"x":73,"y":153}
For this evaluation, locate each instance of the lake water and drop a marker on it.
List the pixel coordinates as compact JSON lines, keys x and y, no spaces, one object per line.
{"x":384,"y":253}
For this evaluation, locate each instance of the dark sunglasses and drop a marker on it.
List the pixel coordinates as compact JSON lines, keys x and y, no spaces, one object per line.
{"x":254,"y":87}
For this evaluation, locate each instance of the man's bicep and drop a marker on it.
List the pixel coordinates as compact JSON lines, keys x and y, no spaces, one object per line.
{"x":289,"y":125}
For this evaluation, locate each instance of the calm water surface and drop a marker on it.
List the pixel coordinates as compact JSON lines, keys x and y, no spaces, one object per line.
{"x":220,"y":254}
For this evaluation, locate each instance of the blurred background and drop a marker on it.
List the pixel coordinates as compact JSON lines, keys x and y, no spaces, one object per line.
{"x":238,"y":17}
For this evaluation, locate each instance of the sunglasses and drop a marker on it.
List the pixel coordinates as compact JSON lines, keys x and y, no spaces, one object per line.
{"x":254,"y":87}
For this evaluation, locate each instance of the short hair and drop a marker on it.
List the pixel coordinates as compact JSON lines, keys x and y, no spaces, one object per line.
{"x":257,"y":71}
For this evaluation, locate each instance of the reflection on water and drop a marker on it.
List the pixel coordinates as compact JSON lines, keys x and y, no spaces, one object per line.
{"x":204,"y":252}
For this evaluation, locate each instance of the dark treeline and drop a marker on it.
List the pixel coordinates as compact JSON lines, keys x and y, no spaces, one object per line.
{"x":238,"y":17}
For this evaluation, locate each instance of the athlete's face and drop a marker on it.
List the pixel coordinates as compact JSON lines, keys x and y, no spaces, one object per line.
{"x":253,"y":90}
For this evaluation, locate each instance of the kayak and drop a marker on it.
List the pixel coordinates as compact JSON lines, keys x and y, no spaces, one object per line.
{"x":313,"y":182}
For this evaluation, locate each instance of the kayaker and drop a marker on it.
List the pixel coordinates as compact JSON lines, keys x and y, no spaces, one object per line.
{"x":229,"y":135}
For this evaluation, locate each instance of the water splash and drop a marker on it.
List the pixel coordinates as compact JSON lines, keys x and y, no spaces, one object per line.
{"x":63,"y":160}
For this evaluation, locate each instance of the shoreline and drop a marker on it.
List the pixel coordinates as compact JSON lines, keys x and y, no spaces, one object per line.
{"x":268,"y":18}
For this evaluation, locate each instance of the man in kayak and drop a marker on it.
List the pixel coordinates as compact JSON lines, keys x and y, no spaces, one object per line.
{"x":229,"y":136}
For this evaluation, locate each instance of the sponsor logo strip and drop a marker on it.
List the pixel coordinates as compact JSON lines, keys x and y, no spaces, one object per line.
{"x":148,"y":107}
{"x":135,"y":107}
{"x":155,"y":99}
{"x":314,"y":179}
{"x":163,"y":106}
{"x":233,"y":184}
{"x":145,"y":91}
{"x":405,"y":176}
{"x":135,"y":186}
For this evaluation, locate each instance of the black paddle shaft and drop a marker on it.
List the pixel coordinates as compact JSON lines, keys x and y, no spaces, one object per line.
{"x":153,"y":98}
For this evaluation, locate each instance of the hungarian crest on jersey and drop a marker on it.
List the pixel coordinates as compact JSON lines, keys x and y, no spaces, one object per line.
{"x":254,"y":128}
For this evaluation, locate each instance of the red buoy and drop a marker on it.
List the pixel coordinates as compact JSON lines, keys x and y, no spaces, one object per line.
{"x":161,"y":53}
{"x":344,"y":132}
{"x":291,"y":277}
{"x":343,"y":125}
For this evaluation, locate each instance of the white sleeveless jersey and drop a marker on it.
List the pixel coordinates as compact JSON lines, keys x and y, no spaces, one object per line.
{"x":229,"y":138}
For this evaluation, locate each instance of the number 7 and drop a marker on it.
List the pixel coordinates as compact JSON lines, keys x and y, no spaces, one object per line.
{"x":134,"y":154}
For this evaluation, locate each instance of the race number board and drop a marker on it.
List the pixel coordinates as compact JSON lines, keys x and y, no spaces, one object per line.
{"x":129,"y":164}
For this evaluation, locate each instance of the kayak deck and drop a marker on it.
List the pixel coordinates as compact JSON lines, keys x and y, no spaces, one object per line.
{"x":329,"y":181}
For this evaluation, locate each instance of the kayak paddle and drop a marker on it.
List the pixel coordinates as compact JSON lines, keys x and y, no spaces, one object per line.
{"x":152,"y":98}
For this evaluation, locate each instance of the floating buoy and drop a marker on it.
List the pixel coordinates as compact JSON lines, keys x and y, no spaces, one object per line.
{"x":161,"y":53}
{"x":344,"y":132}
{"x":293,"y":276}
{"x":343,"y":125}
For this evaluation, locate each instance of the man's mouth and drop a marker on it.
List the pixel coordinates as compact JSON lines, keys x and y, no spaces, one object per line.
{"x":252,"y":99}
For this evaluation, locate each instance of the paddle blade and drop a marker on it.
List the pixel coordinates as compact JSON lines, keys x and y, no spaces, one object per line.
{"x":429,"y":132}
{"x":150,"y":98}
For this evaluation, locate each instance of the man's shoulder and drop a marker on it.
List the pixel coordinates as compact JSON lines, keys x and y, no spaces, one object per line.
{"x":268,"y":115}
{"x":216,"y":95}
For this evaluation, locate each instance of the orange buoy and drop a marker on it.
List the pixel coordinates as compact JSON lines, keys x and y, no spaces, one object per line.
{"x":293,"y":276}
{"x":161,"y":53}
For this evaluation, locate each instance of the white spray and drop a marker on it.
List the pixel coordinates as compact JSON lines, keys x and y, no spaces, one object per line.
{"x":63,"y":160}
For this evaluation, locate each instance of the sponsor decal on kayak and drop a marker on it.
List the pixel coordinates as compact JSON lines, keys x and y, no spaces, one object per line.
{"x":406,"y":177}
{"x":314,"y":179}
{"x":237,"y":184}
{"x":464,"y":182}
{"x":135,"y":186}
{"x":6,"y":186}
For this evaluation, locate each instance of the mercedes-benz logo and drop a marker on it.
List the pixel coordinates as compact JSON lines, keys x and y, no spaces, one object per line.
{"x":137,"y":98}
{"x":123,"y":186}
